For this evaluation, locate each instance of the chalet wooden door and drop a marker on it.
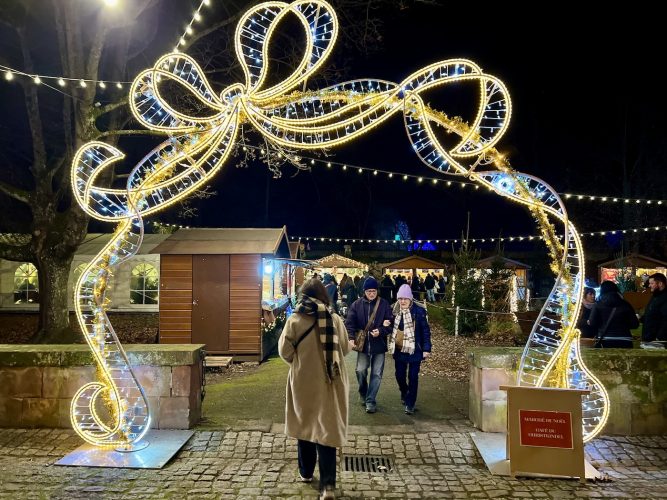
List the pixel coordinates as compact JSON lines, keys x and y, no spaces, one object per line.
{"x":210,"y":302}
{"x":175,"y":299}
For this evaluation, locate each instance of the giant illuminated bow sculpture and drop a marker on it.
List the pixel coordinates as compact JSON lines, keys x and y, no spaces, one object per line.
{"x":199,"y":146}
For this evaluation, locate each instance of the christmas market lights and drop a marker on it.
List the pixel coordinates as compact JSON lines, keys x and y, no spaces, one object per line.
{"x":596,"y":198}
{"x":311,"y":120}
{"x":61,"y":81}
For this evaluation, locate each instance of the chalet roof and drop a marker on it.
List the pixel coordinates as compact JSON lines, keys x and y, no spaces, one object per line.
{"x":229,"y":241}
{"x":633,"y":260}
{"x":335,"y":260}
{"x":509,"y":263}
{"x":94,"y":243}
{"x":413,"y":262}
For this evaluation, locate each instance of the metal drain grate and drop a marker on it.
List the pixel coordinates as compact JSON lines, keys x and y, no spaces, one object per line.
{"x":368,"y":463}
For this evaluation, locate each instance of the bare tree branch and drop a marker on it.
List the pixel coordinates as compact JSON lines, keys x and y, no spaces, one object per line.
{"x":15,"y":193}
{"x":115,"y":133}
{"x":15,"y":253}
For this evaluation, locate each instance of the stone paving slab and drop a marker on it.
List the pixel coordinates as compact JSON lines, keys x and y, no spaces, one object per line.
{"x":438,"y":463}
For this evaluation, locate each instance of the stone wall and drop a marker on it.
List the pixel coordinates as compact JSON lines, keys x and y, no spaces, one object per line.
{"x":635,"y":379}
{"x":37,"y":382}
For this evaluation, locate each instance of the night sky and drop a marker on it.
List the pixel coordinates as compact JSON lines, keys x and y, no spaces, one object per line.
{"x":585,"y":97}
{"x":573,"y":82}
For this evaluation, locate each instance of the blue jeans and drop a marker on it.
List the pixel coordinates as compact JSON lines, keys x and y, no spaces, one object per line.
{"x":367,"y":390}
{"x":430,"y":295}
{"x":409,"y":389}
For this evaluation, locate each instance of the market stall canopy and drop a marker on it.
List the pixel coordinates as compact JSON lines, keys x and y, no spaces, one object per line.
{"x":412,"y":262}
{"x":230,"y":241}
{"x":308,"y":264}
{"x":507,"y":263}
{"x":338,"y":261}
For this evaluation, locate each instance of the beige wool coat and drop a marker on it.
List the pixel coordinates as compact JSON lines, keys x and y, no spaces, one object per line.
{"x":315,"y":410}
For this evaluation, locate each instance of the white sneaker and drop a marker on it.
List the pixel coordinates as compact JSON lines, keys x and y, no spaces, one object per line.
{"x":328,"y":494}
{"x":652,"y":345}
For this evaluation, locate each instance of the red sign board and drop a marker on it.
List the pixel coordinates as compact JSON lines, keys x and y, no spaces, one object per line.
{"x":546,"y":429}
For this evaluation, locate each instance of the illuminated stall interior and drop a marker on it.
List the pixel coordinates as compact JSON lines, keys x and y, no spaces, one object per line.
{"x":413,"y":264}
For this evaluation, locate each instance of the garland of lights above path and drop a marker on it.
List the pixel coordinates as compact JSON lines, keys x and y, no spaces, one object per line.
{"x":198,"y":147}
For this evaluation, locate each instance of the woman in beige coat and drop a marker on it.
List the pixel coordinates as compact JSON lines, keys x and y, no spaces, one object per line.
{"x":314,"y":342}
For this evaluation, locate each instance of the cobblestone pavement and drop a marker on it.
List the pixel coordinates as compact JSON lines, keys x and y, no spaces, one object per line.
{"x":440,"y":462}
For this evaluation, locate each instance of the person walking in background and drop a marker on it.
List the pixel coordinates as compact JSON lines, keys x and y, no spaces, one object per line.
{"x":410,"y":344}
{"x":655,"y":314}
{"x":429,"y":285}
{"x":442,"y":284}
{"x":587,"y":331}
{"x":612,"y":318}
{"x":331,"y":288}
{"x":313,"y":343}
{"x":386,"y":287}
{"x":373,"y":314}
{"x":348,"y":292}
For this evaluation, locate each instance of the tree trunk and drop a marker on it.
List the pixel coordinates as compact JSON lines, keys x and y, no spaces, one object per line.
{"x":54,"y":327}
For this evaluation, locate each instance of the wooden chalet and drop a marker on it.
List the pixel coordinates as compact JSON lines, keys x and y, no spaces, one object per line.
{"x":215,"y":285}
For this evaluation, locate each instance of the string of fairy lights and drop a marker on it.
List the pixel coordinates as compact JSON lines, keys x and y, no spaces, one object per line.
{"x":58,"y":82}
{"x":440,"y":181}
{"x":494,"y":239}
{"x":189,"y":29}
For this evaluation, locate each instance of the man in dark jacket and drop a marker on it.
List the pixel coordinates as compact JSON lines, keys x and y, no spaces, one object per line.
{"x":655,"y":315}
{"x":372,"y":354}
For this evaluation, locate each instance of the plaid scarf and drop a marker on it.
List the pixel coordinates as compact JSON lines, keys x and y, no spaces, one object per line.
{"x":328,"y":338}
{"x":408,"y":330}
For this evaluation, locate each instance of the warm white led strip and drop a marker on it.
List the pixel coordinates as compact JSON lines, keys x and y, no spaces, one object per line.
{"x":198,"y":147}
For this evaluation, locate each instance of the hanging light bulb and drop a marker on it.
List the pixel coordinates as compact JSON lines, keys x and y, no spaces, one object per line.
{"x":9,"y":76}
{"x":61,"y":82}
{"x":37,"y":80}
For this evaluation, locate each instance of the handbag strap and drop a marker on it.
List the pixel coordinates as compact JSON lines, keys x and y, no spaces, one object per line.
{"x":372,"y":317}
{"x":305,"y":334}
{"x":601,"y":332}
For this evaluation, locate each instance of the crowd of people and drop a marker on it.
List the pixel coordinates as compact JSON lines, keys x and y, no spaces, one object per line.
{"x":317,"y":388}
{"x":374,"y":323}
{"x":430,"y":287}
{"x":608,"y":320}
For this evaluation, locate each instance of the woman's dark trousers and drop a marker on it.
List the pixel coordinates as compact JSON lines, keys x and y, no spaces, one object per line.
{"x":309,"y":454}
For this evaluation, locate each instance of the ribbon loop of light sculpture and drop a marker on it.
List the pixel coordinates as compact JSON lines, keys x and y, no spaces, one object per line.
{"x":308,"y":119}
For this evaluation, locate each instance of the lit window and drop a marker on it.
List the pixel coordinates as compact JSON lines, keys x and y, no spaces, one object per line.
{"x":144,"y":285}
{"x":26,"y":286}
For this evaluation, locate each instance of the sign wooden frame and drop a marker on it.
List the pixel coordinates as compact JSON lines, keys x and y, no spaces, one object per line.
{"x":544,"y":431}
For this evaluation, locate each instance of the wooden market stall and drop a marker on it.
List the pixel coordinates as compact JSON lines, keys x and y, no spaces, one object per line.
{"x":635,"y":265}
{"x":337,"y":265}
{"x":519,"y":289}
{"x":633,"y":270}
{"x":216,"y":285}
{"x":413,"y":265}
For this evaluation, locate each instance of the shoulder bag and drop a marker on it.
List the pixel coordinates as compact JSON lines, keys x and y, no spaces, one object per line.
{"x":360,"y":337}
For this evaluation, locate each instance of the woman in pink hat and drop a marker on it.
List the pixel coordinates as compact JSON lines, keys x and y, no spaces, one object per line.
{"x":410,"y":343}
